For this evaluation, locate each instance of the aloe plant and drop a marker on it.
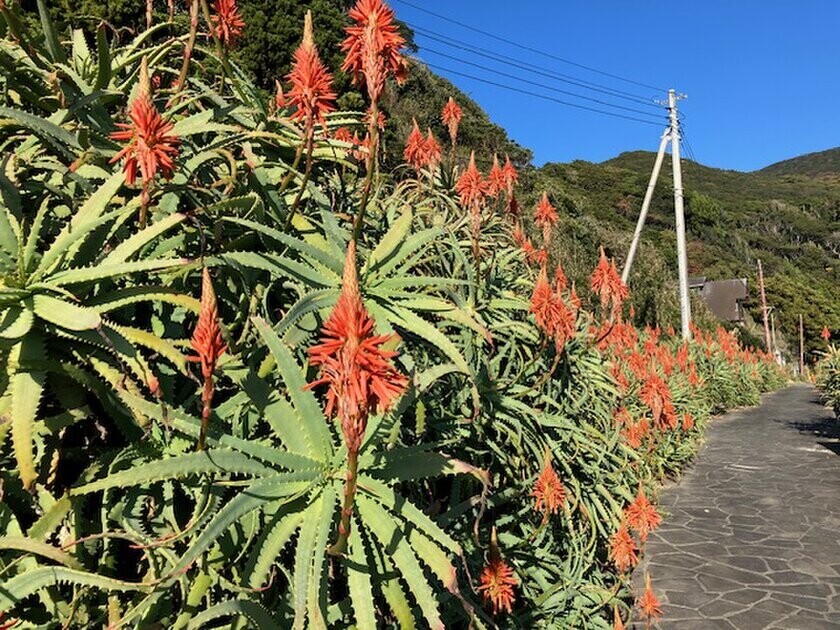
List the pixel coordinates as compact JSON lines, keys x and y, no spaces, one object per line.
{"x":112,"y":515}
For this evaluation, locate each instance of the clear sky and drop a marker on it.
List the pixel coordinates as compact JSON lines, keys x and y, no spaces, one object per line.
{"x":760,"y":75}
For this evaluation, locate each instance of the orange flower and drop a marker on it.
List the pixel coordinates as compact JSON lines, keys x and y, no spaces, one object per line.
{"x":622,"y":550}
{"x":574,"y":300}
{"x":549,"y":492}
{"x":151,"y":144}
{"x":565,"y":326}
{"x":648,"y":604}
{"x":528,"y":248}
{"x":496,"y":183}
{"x":825,"y":334}
{"x":372,"y":47}
{"x":415,"y":147}
{"x":380,"y":119}
{"x":634,"y":433}
{"x":432,"y":149}
{"x":471,"y":186}
{"x":606,"y":283}
{"x":510,"y":176}
{"x":208,"y":343}
{"x":552,"y":315}
{"x":357,"y":370}
{"x":342,"y":134}
{"x":642,"y":516}
{"x":207,"y":338}
{"x":545,"y":217}
{"x":655,"y":393}
{"x":687,"y":422}
{"x":312,"y":92}
{"x":620,"y":378}
{"x":227,"y":22}
{"x":637,"y":364}
{"x":669,"y":416}
{"x":542,"y":302}
{"x":496,"y":586}
{"x":560,"y":281}
{"x":451,"y":116}
{"x":683,"y":357}
{"x":621,"y":417}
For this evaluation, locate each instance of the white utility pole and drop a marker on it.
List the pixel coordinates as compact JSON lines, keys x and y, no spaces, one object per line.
{"x":682,"y":256}
{"x":672,"y":135}
{"x":637,"y":235}
{"x":764,"y":311}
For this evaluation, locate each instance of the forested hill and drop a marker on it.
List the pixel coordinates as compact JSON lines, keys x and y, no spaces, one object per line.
{"x":819,"y":163}
{"x":792,"y":223}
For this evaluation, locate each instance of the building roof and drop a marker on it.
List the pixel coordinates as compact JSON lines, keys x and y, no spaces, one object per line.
{"x":724,"y":298}
{"x":696,"y":282}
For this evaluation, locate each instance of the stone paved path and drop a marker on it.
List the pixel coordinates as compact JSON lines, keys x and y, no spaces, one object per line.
{"x":751,"y":534}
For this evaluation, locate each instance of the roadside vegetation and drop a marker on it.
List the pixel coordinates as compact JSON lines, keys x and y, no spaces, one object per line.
{"x":255,"y":377}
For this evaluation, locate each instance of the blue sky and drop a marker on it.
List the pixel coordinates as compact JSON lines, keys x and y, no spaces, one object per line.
{"x":760,"y":75}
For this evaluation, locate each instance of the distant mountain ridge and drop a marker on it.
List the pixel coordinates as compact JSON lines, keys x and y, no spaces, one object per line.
{"x":814,"y":164}
{"x":787,"y":215}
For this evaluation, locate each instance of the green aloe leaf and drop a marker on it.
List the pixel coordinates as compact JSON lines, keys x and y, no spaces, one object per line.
{"x":210,"y":462}
{"x":15,"y":322}
{"x":38,"y":548}
{"x":65,"y":314}
{"x":257,"y":616}
{"x":18,"y":588}
{"x":393,"y":539}
{"x":26,"y":388}
{"x":313,"y":424}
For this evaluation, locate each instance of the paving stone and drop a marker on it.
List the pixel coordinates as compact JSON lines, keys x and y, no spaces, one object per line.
{"x":746,"y":596}
{"x":790,"y":577}
{"x":778,"y":608}
{"x":694,"y":599}
{"x":752,"y":619}
{"x":812,"y":567}
{"x":749,"y":563}
{"x":751,"y":534}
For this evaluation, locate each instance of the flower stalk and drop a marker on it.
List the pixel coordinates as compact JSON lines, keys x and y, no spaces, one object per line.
{"x":359,"y":376}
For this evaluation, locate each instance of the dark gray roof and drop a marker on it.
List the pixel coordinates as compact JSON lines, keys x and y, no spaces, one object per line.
{"x":724,"y":298}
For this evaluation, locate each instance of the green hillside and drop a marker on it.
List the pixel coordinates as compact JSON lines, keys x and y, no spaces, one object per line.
{"x":825,"y":163}
{"x":791,"y":223}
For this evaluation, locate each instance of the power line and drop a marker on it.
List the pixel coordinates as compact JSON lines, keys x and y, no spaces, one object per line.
{"x":530,"y":49}
{"x":537,"y":95}
{"x":529,"y":67}
{"x":690,"y":150}
{"x":537,"y":84}
{"x":687,"y":144}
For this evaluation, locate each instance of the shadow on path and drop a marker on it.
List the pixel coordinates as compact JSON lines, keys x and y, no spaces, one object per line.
{"x":751,"y":534}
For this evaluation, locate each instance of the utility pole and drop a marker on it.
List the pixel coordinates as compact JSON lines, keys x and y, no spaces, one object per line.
{"x":672,"y":135}
{"x":801,"y":348}
{"x":682,"y":256}
{"x":637,"y":235}
{"x":764,"y":307}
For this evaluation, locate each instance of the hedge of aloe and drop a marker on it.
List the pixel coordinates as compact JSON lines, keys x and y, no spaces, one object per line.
{"x":250,"y":381}
{"x":828,"y":374}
